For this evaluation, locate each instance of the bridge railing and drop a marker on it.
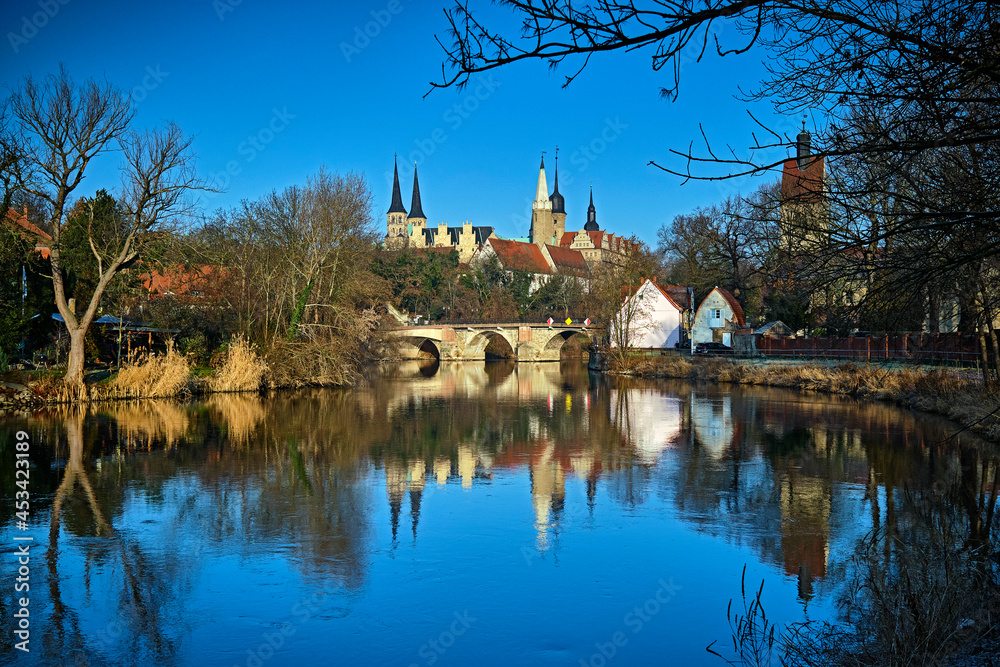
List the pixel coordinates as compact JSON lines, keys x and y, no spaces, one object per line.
{"x":472,"y":323}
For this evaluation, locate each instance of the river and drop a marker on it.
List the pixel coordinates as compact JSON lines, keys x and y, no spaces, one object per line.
{"x":487,"y":514}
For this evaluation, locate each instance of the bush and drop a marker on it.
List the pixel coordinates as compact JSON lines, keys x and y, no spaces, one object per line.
{"x":150,"y":377}
{"x":242,"y":370}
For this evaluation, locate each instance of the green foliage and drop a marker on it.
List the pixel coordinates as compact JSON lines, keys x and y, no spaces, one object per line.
{"x":420,"y":281}
{"x":97,"y":225}
{"x":22,"y":270}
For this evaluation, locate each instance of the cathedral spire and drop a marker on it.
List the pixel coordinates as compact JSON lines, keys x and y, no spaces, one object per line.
{"x":397,"y":199}
{"x":591,"y":225}
{"x":416,"y":211}
{"x":558,"y":202}
{"x":542,"y":192}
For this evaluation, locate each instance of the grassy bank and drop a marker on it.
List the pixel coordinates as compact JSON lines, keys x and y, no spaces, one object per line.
{"x":956,"y":394}
{"x":172,"y":374}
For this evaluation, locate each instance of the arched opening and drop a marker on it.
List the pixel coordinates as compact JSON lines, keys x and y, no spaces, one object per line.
{"x":428,"y":350}
{"x":497,"y":347}
{"x":570,"y":345}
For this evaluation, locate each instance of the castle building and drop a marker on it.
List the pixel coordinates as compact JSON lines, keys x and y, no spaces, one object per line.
{"x":548,"y":227}
{"x":410,"y":230}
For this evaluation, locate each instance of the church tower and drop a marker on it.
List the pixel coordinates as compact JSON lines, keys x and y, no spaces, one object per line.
{"x":395,"y":237}
{"x":591,"y":224}
{"x":542,"y":225}
{"x":558,"y":208}
{"x":804,"y":206}
{"x":416,"y":218}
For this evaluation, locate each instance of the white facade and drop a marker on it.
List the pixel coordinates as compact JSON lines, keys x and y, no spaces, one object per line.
{"x":651,"y":317}
{"x":715,"y":319}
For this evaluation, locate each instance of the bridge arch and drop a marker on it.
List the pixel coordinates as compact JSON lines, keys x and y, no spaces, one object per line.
{"x":554,"y":345}
{"x":476,"y":347}
{"x":422,"y":347}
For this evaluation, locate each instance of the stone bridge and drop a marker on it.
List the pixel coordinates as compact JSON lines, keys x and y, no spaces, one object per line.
{"x":467,"y":342}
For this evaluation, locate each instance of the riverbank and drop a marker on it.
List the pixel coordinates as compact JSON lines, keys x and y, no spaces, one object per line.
{"x":173,"y":375}
{"x":957,"y":394}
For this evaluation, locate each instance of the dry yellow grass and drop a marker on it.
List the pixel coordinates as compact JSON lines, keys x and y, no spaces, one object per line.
{"x":241,"y":414}
{"x":243,"y":369}
{"x":151,"y":377}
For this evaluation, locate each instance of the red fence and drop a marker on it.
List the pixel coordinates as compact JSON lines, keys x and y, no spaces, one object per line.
{"x":951,"y":347}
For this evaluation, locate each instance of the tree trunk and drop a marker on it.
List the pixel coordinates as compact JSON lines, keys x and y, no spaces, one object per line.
{"x":74,"y":366}
{"x":984,"y":358}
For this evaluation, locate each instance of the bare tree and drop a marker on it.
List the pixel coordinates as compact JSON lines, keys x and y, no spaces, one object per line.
{"x":60,"y":128}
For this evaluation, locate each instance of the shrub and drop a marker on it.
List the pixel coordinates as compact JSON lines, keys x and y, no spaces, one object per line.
{"x":243,"y":369}
{"x":152,"y":376}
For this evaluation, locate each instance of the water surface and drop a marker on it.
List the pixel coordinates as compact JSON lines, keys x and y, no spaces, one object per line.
{"x":454,"y":515}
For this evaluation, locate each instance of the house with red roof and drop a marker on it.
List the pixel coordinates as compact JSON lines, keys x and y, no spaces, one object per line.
{"x":542,"y":261}
{"x":717,"y":318}
{"x":30,"y":231}
{"x":649,"y":318}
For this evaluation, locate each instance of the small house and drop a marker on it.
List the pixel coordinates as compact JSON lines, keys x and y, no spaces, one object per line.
{"x":717,"y":318}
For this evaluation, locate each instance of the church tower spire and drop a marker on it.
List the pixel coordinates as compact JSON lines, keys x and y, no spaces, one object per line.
{"x":397,"y":199}
{"x":542,"y":191}
{"x":558,"y":207}
{"x":396,"y":216}
{"x":542,"y":227}
{"x":591,"y":225}
{"x":416,"y":211}
{"x":416,"y":221}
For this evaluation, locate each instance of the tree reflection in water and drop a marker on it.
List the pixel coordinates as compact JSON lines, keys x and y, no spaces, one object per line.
{"x":154,"y":495}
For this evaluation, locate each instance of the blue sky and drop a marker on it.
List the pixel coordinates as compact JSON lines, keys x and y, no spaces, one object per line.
{"x":271,"y":92}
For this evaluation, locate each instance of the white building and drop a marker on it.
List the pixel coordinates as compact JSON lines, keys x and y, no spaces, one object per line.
{"x":650,"y":317}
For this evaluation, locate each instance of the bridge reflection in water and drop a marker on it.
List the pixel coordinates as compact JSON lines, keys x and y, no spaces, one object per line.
{"x":392,"y":499}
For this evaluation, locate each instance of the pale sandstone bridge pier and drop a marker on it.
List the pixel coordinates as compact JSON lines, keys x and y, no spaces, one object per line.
{"x":467,"y":342}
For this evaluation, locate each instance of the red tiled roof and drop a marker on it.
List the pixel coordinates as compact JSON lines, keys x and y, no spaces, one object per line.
{"x":740,"y":318}
{"x":568,"y":261}
{"x":520,"y":256}
{"x":679,"y":294}
{"x":670,"y":298}
{"x":803,"y":185}
{"x":183,"y":279}
{"x":30,"y":231}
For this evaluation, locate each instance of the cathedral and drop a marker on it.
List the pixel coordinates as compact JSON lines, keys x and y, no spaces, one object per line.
{"x":548,"y":226}
{"x":410,"y":230}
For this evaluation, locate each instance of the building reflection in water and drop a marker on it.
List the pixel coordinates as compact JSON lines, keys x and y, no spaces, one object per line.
{"x":790,"y":477}
{"x":763,"y":468}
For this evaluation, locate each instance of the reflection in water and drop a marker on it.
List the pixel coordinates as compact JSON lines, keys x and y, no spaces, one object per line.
{"x":234,"y":510}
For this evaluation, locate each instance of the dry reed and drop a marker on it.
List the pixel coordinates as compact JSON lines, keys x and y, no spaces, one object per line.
{"x":243,"y":369}
{"x":151,"y":377}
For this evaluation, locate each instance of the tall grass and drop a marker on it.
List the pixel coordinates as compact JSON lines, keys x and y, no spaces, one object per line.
{"x":243,"y":369}
{"x":153,"y":376}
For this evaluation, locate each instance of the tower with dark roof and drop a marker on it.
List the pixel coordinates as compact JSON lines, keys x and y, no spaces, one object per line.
{"x":416,"y":216}
{"x":396,"y":216}
{"x":558,"y":206}
{"x":591,"y":224}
